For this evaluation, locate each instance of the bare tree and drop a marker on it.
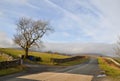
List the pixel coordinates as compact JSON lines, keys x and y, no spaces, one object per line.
{"x":29,"y":32}
{"x":117,"y":49}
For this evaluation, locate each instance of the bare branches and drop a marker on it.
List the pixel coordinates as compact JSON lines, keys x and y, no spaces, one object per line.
{"x":117,"y":49}
{"x":29,"y":31}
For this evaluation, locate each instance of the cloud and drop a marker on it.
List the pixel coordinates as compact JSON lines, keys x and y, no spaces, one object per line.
{"x":108,"y":25}
{"x":67,"y":13}
{"x":96,"y":19}
{"x":72,"y":20}
{"x":5,"y":41}
{"x":18,"y":8}
{"x":16,"y":1}
{"x":80,"y":48}
{"x":66,"y":34}
{"x":87,"y":18}
{"x":1,"y":14}
{"x":33,"y":6}
{"x":80,"y":20}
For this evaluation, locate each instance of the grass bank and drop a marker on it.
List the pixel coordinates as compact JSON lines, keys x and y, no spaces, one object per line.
{"x":117,"y":59}
{"x":3,"y":58}
{"x":44,"y":56}
{"x":11,"y":70}
{"x":75,"y":62}
{"x":110,"y":69}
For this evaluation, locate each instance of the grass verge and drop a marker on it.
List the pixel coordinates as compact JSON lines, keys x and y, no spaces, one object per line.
{"x":117,"y":59}
{"x":11,"y":70}
{"x":75,"y":62}
{"x":3,"y":58}
{"x":44,"y":56}
{"x":109,"y":69}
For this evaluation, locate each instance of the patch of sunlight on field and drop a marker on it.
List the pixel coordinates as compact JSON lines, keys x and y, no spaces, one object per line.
{"x":3,"y":58}
{"x":45,"y":56}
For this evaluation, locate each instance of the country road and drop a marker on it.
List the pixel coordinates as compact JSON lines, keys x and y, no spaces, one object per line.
{"x":82,"y":72}
{"x":89,"y":68}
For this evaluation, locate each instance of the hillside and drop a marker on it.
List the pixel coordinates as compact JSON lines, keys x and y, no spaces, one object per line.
{"x":45,"y":56}
{"x":81,"y":48}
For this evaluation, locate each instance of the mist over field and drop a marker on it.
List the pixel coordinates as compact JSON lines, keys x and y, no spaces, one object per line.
{"x":73,"y":48}
{"x":79,"y":48}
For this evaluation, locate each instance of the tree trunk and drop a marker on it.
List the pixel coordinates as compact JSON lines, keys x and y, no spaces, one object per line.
{"x":26,"y":52}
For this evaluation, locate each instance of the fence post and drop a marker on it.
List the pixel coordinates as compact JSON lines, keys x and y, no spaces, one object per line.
{"x":21,"y":61}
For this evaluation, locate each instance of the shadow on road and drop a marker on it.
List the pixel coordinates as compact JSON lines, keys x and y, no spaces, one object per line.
{"x":88,"y":69}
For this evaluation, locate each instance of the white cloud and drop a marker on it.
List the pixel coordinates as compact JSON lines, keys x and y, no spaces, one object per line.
{"x":66,"y":34}
{"x":22,"y":2}
{"x":16,"y":1}
{"x":1,"y":14}
{"x":109,"y":22}
{"x":66,"y":12}
{"x":33,"y":6}
{"x":81,"y":48}
{"x":5,"y":41}
{"x":97,"y":19}
{"x":105,"y":28}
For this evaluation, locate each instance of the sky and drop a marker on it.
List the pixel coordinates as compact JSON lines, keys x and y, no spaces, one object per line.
{"x":81,"y":21}
{"x":80,"y":48}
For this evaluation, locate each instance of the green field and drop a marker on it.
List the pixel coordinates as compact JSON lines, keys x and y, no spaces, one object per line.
{"x":75,"y":62}
{"x":11,"y":70}
{"x":45,"y":56}
{"x":3,"y":58}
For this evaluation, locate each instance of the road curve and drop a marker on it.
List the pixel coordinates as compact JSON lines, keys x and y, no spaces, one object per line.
{"x":89,"y":68}
{"x":82,"y":72}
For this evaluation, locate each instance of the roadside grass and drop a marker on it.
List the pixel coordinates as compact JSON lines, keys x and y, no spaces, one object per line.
{"x":75,"y":62}
{"x":11,"y":70}
{"x":13,"y":52}
{"x":44,"y":56}
{"x":110,"y":70}
{"x":117,"y":59}
{"x":3,"y":58}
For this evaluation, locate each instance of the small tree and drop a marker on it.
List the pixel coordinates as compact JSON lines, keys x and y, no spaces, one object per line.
{"x":117,"y":49}
{"x":29,"y":33}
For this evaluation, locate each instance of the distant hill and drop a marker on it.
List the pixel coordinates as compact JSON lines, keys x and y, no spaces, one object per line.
{"x":100,"y":49}
{"x":80,"y":48}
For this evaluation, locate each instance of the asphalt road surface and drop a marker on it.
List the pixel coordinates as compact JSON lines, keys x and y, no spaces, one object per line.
{"x":89,"y":68}
{"x":83,"y":72}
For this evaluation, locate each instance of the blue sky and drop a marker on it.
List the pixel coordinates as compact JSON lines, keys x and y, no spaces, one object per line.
{"x":73,"y":20}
